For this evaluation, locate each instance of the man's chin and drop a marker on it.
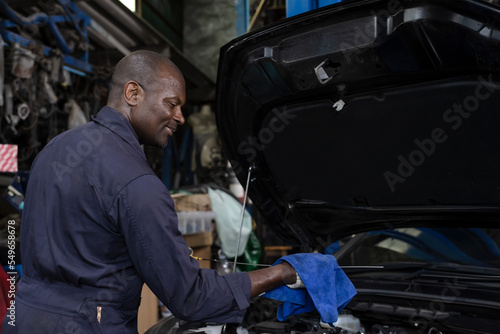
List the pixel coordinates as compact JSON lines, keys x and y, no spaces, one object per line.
{"x":163,"y":144}
{"x":158,"y":141}
{"x":160,"y":144}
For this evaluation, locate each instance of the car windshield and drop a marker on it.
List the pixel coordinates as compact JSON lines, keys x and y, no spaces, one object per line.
{"x":464,"y":246}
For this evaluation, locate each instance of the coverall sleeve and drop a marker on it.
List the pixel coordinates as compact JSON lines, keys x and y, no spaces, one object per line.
{"x":148,"y":222}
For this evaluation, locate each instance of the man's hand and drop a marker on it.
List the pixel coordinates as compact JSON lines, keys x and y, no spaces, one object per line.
{"x":269,"y":278}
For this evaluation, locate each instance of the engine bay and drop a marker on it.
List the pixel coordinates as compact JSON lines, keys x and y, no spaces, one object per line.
{"x":261,"y":319}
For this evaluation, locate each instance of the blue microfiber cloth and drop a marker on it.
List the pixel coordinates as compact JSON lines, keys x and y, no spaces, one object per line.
{"x":327,"y":287}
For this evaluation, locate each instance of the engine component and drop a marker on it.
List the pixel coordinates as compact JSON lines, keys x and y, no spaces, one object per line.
{"x":2,"y":71}
{"x":11,"y":119}
{"x":23,"y":63}
{"x":348,"y":322}
{"x":49,"y":92}
{"x":55,"y":68}
{"x":76,"y":115}
{"x":23,"y":111}
{"x":380,"y":329}
{"x":273,"y":327}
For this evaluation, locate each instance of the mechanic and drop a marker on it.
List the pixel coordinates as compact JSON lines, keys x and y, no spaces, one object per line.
{"x":98,"y":223}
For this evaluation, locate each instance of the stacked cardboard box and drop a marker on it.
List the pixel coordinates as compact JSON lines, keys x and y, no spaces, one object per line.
{"x":195,"y":202}
{"x":201,"y":243}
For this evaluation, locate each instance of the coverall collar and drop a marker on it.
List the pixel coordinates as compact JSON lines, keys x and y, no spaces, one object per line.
{"x":117,"y":123}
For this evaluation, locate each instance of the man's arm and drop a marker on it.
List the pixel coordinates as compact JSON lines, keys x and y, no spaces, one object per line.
{"x":145,"y":214}
{"x":269,"y":278}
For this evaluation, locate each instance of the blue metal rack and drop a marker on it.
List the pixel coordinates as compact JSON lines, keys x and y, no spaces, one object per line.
{"x":295,"y":7}
{"x":74,"y":15}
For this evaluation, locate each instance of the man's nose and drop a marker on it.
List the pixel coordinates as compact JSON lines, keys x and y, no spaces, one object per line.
{"x":178,"y":117}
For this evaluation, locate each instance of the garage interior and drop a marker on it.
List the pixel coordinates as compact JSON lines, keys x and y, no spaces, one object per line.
{"x":389,"y":167}
{"x":56,"y":59}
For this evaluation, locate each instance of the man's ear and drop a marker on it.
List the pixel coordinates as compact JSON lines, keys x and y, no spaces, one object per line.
{"x":132,"y":93}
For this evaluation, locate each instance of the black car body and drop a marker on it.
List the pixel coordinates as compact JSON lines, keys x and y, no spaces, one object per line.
{"x":370,"y":129}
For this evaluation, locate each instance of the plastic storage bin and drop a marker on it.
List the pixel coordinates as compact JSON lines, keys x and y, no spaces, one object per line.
{"x":191,"y":222}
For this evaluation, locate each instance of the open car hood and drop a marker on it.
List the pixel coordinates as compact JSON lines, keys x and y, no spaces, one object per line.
{"x":367,"y":115}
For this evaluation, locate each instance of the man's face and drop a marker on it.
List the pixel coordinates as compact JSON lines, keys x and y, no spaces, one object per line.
{"x":158,"y":114}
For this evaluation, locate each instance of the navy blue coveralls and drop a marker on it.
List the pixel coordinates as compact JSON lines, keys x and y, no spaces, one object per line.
{"x":97,"y":224}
